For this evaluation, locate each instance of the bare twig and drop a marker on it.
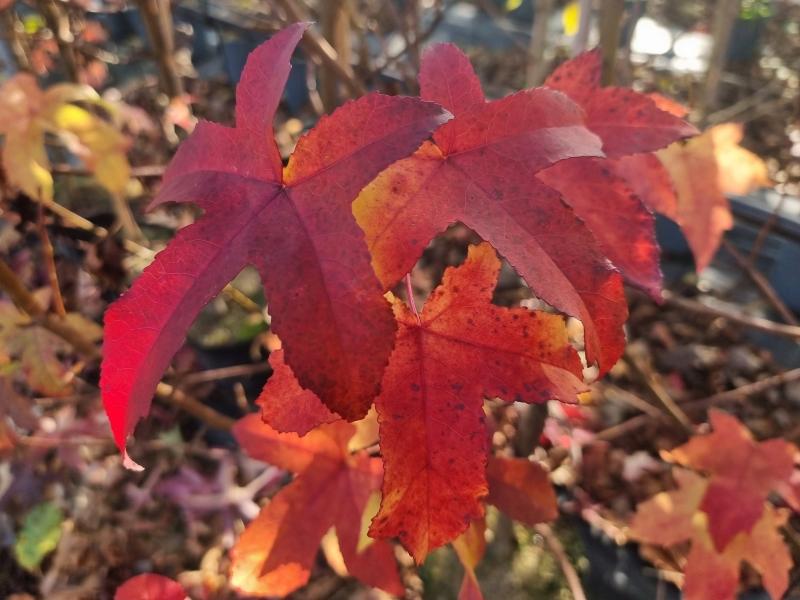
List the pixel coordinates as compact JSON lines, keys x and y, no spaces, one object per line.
{"x":610,"y":22}
{"x":14,"y":34}
{"x":757,"y":323}
{"x":653,"y":381}
{"x":335,"y":24}
{"x":26,"y":302}
{"x":557,"y":550}
{"x":224,"y":373}
{"x":324,"y":52}
{"x":157,"y":18}
{"x":194,"y":407}
{"x":58,"y":22}
{"x":725,"y":12}
{"x":536,"y":68}
{"x":50,"y":265}
{"x":743,"y":392}
{"x":761,"y":283}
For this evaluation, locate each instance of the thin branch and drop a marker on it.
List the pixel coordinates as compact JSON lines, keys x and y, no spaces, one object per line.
{"x":725,"y":12}
{"x":536,"y":68}
{"x":26,"y":302}
{"x":50,"y":265}
{"x":210,"y":375}
{"x":761,"y":283}
{"x":757,"y":323}
{"x":743,"y":392}
{"x":58,"y":22}
{"x":323,"y":50}
{"x":557,"y":550}
{"x":610,"y":22}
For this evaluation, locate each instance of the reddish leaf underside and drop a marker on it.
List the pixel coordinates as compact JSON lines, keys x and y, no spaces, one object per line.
{"x":275,"y":554}
{"x":481,"y":171}
{"x":742,"y":472}
{"x":295,"y":226}
{"x":628,"y":123}
{"x":149,"y":586}
{"x":432,"y":431}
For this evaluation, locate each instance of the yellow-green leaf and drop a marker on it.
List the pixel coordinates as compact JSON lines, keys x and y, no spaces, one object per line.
{"x":40,"y":534}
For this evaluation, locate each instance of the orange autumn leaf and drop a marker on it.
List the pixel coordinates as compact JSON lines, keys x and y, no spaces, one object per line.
{"x":669,"y":518}
{"x":521,"y":489}
{"x":741,"y":471}
{"x":470,"y":547}
{"x":703,"y":170}
{"x":740,"y":171}
{"x":459,"y":350}
{"x":275,"y":554}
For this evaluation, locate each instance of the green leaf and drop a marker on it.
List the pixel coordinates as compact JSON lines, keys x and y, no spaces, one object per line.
{"x":40,"y":534}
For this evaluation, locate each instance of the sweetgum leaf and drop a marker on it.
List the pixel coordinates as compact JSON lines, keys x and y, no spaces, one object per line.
{"x":274,"y":555}
{"x":432,"y":432}
{"x":628,"y":123}
{"x":669,"y":518}
{"x":294,"y":225}
{"x":481,"y":171}
{"x":742,"y":472}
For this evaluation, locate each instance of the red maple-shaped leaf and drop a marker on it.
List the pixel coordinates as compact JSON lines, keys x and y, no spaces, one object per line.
{"x":481,"y":171}
{"x":742,"y":472}
{"x":432,"y":432}
{"x":628,"y":123}
{"x":294,"y":225}
{"x":275,"y":554}
{"x":673,"y":517}
{"x":149,"y":586}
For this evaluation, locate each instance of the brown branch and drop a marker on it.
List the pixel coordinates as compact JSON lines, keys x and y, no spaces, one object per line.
{"x":610,"y":22}
{"x":194,"y":407}
{"x":757,"y":323}
{"x":761,"y":283}
{"x":537,"y":67}
{"x":653,"y":382}
{"x":26,"y":302}
{"x":743,"y":392}
{"x":725,"y":12}
{"x":322,"y":49}
{"x":50,"y":265}
{"x":157,"y":18}
{"x":558,"y":552}
{"x":58,"y":22}
{"x":15,"y":37}
{"x":224,"y":373}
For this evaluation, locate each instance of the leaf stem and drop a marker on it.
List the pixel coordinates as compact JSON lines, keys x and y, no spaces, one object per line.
{"x":410,"y":298}
{"x":50,"y":264}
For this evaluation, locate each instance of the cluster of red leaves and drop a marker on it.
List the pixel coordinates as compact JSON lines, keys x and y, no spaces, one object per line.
{"x":525,"y":172}
{"x":724,"y":512}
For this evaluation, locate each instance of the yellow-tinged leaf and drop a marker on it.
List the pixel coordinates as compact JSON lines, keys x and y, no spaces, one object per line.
{"x":571,"y":18}
{"x":512,"y":5}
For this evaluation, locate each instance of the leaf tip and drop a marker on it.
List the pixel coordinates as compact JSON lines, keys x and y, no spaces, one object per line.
{"x":130,"y":464}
